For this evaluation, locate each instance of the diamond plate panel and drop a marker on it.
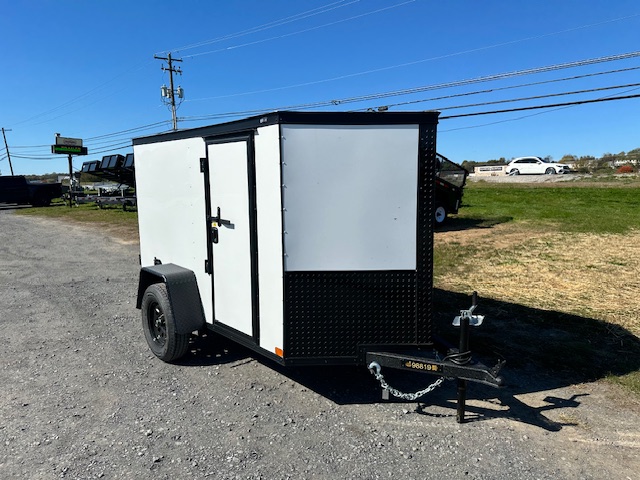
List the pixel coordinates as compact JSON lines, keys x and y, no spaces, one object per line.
{"x":329,"y":314}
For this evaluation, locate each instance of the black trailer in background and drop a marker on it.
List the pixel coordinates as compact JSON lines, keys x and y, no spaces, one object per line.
{"x":450,"y":181}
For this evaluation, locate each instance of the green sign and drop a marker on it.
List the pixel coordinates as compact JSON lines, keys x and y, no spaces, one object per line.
{"x":69,"y":149}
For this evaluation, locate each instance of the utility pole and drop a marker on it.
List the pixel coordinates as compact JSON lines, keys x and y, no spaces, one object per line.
{"x":7,"y":147}
{"x":170,"y":93}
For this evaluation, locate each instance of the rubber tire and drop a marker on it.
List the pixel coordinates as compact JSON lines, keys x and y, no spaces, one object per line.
{"x":550,"y":171}
{"x":159,"y":325}
{"x":514,"y":171}
{"x":439,"y":214}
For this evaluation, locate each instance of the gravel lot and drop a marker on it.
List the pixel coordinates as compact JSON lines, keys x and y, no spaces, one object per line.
{"x":83,"y":397}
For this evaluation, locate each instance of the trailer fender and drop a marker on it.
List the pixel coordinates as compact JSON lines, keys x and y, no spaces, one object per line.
{"x":184,"y":296}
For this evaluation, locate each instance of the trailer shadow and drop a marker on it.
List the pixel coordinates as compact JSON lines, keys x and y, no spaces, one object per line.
{"x":455,"y":224}
{"x":544,"y":351}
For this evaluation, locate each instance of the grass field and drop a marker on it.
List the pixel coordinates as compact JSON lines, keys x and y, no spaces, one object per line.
{"x":557,"y":265}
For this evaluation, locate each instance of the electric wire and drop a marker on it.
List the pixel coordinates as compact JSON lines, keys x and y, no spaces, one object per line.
{"x":521,"y":117}
{"x":138,"y":66}
{"x":537,"y":107}
{"x":266,"y":26}
{"x":413,"y":90}
{"x":440,"y":57}
{"x":459,"y":83}
{"x":299,"y":31}
{"x":538,"y":97}
{"x":498,"y":89}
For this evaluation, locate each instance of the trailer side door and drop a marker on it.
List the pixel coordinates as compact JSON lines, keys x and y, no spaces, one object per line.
{"x":233,"y":234}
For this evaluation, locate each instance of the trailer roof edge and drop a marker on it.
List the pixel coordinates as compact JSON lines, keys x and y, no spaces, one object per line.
{"x":293,"y":117}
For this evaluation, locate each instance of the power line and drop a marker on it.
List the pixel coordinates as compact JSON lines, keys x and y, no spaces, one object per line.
{"x":538,"y":107}
{"x":522,"y":117}
{"x":538,"y":97}
{"x":129,"y":130}
{"x":440,"y":57}
{"x":276,"y":23}
{"x":80,"y":97}
{"x":458,"y":83}
{"x":510,"y":87}
{"x":300,"y":31}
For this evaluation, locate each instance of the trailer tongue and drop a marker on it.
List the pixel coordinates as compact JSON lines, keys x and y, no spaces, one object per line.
{"x":305,"y":236}
{"x":445,"y":361}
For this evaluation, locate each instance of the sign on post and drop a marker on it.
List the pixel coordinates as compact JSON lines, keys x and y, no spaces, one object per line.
{"x":69,"y":142}
{"x":69,"y":146}
{"x":69,"y":149}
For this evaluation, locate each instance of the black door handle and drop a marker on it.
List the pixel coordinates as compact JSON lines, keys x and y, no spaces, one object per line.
{"x":219,"y":220}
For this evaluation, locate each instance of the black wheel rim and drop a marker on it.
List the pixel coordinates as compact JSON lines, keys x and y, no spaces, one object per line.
{"x":157,"y":324}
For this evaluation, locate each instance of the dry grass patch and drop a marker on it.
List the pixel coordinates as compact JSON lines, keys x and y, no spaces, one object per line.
{"x":583,"y":274}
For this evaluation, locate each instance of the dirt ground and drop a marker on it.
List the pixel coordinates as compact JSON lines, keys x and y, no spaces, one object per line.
{"x":83,"y":397}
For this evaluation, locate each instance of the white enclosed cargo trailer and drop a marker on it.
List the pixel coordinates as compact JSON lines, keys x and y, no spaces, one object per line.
{"x":307,"y":237}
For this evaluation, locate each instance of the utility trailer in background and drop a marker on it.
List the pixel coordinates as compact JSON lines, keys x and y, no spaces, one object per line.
{"x":450,"y":181}
{"x":307,"y":237}
{"x":114,"y":168}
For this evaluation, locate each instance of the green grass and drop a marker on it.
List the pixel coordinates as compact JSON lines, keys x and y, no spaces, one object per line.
{"x":574,"y":344}
{"x":567,"y":208}
{"x":86,"y":213}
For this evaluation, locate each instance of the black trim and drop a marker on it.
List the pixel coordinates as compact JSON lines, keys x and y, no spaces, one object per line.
{"x":424,"y":232}
{"x":301,"y":118}
{"x":244,"y":340}
{"x":204,"y":168}
{"x":253,"y":236}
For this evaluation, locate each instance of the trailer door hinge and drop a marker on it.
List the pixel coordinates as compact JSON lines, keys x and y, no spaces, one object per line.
{"x":203,"y":165}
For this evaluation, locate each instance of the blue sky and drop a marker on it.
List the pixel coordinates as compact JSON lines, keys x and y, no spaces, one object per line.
{"x":86,"y":69}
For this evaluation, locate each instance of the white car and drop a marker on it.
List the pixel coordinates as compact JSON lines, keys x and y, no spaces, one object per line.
{"x":535,"y":165}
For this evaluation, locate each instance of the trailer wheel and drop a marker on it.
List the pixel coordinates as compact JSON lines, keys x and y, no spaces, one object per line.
{"x":440,"y":214}
{"x":159,"y":325}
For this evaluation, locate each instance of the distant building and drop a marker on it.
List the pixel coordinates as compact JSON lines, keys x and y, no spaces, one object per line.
{"x":489,"y":170}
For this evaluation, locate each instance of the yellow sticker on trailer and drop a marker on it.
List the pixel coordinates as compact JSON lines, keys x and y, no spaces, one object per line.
{"x":422,"y":366}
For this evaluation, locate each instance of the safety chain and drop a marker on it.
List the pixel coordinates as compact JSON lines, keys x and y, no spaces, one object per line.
{"x":375,"y":369}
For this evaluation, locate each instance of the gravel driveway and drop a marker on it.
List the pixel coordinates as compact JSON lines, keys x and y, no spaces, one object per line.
{"x":83,"y":397}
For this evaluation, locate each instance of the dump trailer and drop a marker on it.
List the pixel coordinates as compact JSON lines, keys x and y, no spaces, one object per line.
{"x":450,"y":181}
{"x":304,"y":236}
{"x":17,"y":189}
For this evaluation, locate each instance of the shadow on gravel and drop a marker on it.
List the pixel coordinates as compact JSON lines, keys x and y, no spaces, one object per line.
{"x":544,"y":350}
{"x":13,"y":206}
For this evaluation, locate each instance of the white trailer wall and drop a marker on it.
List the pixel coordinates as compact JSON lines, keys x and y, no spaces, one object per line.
{"x":171,"y":208}
{"x":350,"y":199}
{"x":269,"y":219}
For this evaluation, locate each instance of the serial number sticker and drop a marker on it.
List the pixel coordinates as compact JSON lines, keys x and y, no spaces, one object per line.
{"x":422,"y":366}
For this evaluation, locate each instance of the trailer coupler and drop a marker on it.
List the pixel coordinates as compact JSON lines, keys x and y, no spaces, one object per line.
{"x":457,"y":364}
